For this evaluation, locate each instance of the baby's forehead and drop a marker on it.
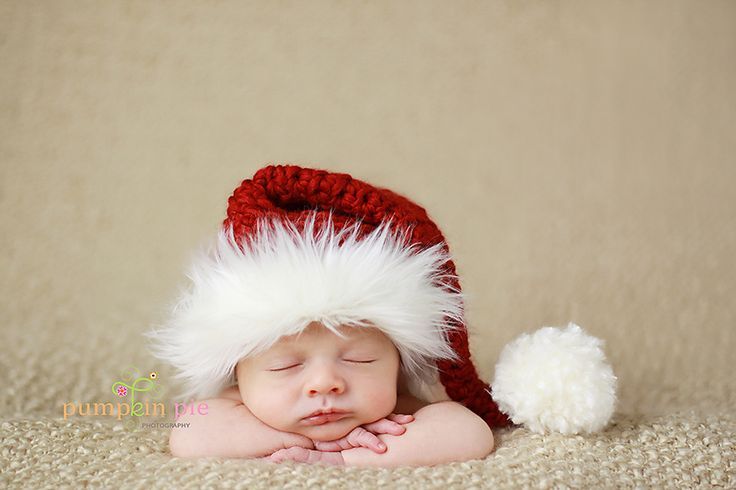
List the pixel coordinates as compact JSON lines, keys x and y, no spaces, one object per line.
{"x":318,"y":335}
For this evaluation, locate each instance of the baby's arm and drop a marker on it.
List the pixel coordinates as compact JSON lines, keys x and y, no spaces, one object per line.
{"x":440,"y":433}
{"x":229,"y":430}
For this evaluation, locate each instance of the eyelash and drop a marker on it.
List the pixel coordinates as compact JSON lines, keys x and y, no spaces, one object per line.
{"x":295,"y":365}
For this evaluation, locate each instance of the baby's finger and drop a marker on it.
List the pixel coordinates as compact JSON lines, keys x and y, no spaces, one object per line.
{"x":362,"y":438}
{"x":401,"y":418}
{"x":304,"y":455}
{"x":294,"y":453}
{"x":337,"y":445}
{"x":385,"y":426}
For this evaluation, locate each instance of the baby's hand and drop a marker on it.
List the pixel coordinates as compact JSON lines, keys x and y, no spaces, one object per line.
{"x":329,"y":452}
{"x":304,"y":455}
{"x":364,"y":436}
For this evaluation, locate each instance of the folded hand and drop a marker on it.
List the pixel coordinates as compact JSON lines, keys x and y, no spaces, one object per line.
{"x":328,"y":452}
{"x":365,"y":435}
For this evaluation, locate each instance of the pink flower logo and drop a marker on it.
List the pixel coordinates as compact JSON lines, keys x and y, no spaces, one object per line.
{"x":122,"y":391}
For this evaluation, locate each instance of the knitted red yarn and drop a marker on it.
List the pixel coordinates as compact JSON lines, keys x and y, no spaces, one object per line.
{"x":289,"y":192}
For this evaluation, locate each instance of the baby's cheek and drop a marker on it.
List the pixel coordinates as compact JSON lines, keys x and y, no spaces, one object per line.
{"x":380,"y":404}
{"x":270,"y":410}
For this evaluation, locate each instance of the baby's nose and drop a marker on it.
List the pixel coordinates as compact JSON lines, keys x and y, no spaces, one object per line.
{"x":324,"y":380}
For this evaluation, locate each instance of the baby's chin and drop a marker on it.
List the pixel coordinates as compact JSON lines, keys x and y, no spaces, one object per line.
{"x":329,"y":431}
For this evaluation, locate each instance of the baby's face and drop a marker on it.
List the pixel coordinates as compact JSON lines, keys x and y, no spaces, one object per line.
{"x":320,"y":371}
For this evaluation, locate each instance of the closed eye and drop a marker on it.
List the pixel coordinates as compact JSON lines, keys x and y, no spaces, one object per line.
{"x":360,"y":362}
{"x":284,"y":368}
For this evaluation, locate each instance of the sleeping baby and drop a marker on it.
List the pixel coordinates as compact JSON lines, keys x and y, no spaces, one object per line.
{"x":327,"y":325}
{"x":331,"y":398}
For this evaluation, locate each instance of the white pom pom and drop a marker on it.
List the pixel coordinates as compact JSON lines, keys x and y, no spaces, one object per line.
{"x":555,"y":380}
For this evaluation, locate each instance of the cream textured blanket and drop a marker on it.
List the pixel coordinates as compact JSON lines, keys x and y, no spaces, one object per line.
{"x":577,"y":155}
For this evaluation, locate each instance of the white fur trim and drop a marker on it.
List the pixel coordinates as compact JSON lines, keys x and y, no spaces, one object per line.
{"x":431,"y":392}
{"x":242,"y":301}
{"x":555,"y":380}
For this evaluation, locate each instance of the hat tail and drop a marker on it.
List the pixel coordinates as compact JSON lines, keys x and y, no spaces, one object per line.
{"x":463,"y":385}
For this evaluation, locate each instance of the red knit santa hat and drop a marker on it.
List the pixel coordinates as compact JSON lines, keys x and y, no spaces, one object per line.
{"x":301,"y":245}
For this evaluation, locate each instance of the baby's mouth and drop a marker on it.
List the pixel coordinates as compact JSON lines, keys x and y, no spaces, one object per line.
{"x":325,"y":417}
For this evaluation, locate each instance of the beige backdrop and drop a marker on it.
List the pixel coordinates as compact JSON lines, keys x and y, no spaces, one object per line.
{"x":579,"y":157}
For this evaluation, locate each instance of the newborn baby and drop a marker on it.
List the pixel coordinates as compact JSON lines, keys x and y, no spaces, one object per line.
{"x":315,"y":397}
{"x":327,"y":325}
